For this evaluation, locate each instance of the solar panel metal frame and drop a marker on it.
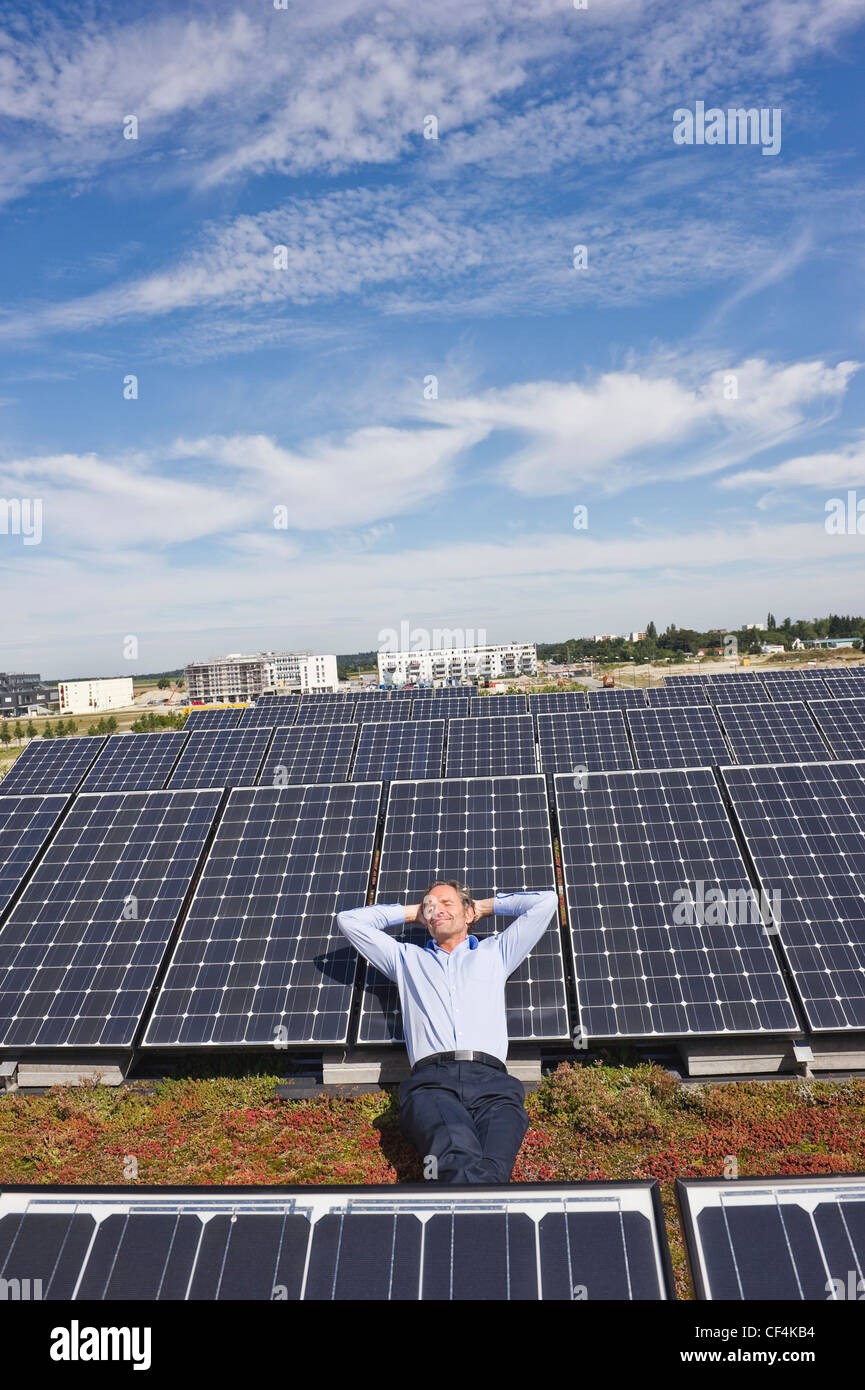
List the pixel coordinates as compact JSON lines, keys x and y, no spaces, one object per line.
{"x":491,"y":747}
{"x":198,"y":914}
{"x":580,"y":882}
{"x":397,"y":732}
{"x":45,"y":750}
{"x":805,"y":1193}
{"x":40,"y":934}
{"x":329,"y":746}
{"x":843,"y":881}
{"x":691,"y":731}
{"x":602,"y":733}
{"x":119,"y":766}
{"x":477,"y":1242}
{"x":382,"y":1025}
{"x":780,"y":731}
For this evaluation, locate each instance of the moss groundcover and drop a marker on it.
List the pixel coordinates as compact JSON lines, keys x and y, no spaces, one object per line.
{"x":586,"y":1123}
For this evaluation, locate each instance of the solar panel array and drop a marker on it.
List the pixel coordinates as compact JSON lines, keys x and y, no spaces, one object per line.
{"x":51,"y":766}
{"x":497,"y":704}
{"x":681,"y":736}
{"x":309,"y":753}
{"x":276,"y":712}
{"x":772,"y":733}
{"x":558,"y":702}
{"x":221,"y":759}
{"x":391,"y":751}
{"x":395,"y":1244}
{"x":741,"y":688}
{"x":81,"y":949}
{"x":594,"y":741}
{"x":805,"y":829}
{"x":662,"y":696}
{"x":494,"y":834}
{"x":135,"y":762}
{"x":618,"y":697}
{"x":324,"y":713}
{"x":484,"y":747}
{"x":260,"y":960}
{"x":25,"y":824}
{"x":785,"y":1239}
{"x":650,"y":861}
{"x":843,"y":686}
{"x":790,"y":687}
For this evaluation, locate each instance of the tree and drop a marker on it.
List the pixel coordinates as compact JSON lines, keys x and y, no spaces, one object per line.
{"x":71,"y":727}
{"x":651,"y":632}
{"x":5,"y":733}
{"x":771,"y":625}
{"x":19,"y":732}
{"x":31,"y":729}
{"x":110,"y":724}
{"x":48,"y":732}
{"x":59,"y":729}
{"x":163,"y":684}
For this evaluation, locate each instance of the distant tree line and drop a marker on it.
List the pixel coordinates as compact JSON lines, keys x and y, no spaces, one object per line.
{"x":676,"y":642}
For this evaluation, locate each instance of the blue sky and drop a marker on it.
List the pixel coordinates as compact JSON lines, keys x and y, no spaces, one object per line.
{"x":302,"y":387}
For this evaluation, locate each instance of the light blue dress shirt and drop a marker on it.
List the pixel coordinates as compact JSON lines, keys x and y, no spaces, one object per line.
{"x":452,"y":1000}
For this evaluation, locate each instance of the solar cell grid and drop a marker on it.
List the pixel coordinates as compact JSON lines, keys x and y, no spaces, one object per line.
{"x":493,"y":834}
{"x":681,"y":736}
{"x":740,"y":689}
{"x":217,"y":759}
{"x":845,"y":686}
{"x":25,"y":824}
{"x":487,"y":747}
{"x":486,"y":705}
{"x":52,"y":766}
{"x":805,"y":828}
{"x":309,"y":753}
{"x":620,"y":696}
{"x":341,"y":712}
{"x":665,"y":939}
{"x":389,"y":751}
{"x":271,"y":713}
{"x":596,"y":740}
{"x":392,"y":711}
{"x":788,"y":687}
{"x":782,"y":731}
{"x":663,"y":696}
{"x":260,"y":960}
{"x":557,"y":702}
{"x":81,"y":949}
{"x":843,"y":724}
{"x":135,"y":762}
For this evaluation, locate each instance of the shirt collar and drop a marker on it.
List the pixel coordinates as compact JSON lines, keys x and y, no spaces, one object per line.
{"x":434,"y":946}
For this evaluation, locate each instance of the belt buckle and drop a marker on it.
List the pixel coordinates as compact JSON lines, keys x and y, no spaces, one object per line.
{"x":463,"y":1055}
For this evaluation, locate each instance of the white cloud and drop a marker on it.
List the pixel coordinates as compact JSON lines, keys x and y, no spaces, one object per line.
{"x":833,"y":468}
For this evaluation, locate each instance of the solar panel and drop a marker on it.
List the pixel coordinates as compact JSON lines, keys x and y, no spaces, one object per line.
{"x":564,"y":1241}
{"x":276,"y":713}
{"x":493,"y":834}
{"x":440,"y":709}
{"x":738,"y":688}
{"x":135,"y":762}
{"x":557,"y":702}
{"x":786,"y":1239}
{"x":781,"y":732}
{"x":82,"y":947}
{"x":309,"y":753}
{"x":788,"y":687}
{"x":485,"y":705}
{"x":596,"y":740}
{"x":200,"y":720}
{"x":663,"y":696}
{"x":260,"y":960}
{"x":487,"y":747}
{"x":842,"y":722}
{"x":666,"y":938}
{"x":25,"y":824}
{"x":396,"y":711}
{"x":691,"y":678}
{"x":216,"y":759}
{"x":681,"y":736}
{"x":51,"y":766}
{"x":805,"y":828}
{"x":620,"y":697}
{"x":841,"y":687}
{"x":390,"y":751}
{"x":341,"y":712}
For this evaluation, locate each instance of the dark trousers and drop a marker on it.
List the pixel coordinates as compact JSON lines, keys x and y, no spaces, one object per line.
{"x":470,"y":1117}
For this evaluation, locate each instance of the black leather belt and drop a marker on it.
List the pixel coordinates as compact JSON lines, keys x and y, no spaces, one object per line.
{"x":462,"y":1056}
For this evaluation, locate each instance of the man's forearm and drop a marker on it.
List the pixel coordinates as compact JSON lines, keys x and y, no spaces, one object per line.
{"x":365,"y":928}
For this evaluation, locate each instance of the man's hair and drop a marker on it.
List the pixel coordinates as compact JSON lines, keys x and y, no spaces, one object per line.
{"x":461,"y":889}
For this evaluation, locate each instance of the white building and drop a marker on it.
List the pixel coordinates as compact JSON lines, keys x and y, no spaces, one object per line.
{"x":96,"y":696}
{"x":439,"y":664}
{"x":767,"y":648}
{"x":638,"y":637}
{"x":237,"y":677}
{"x":605,"y":637}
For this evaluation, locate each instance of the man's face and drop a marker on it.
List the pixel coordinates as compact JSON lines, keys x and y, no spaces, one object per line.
{"x":445,"y":916}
